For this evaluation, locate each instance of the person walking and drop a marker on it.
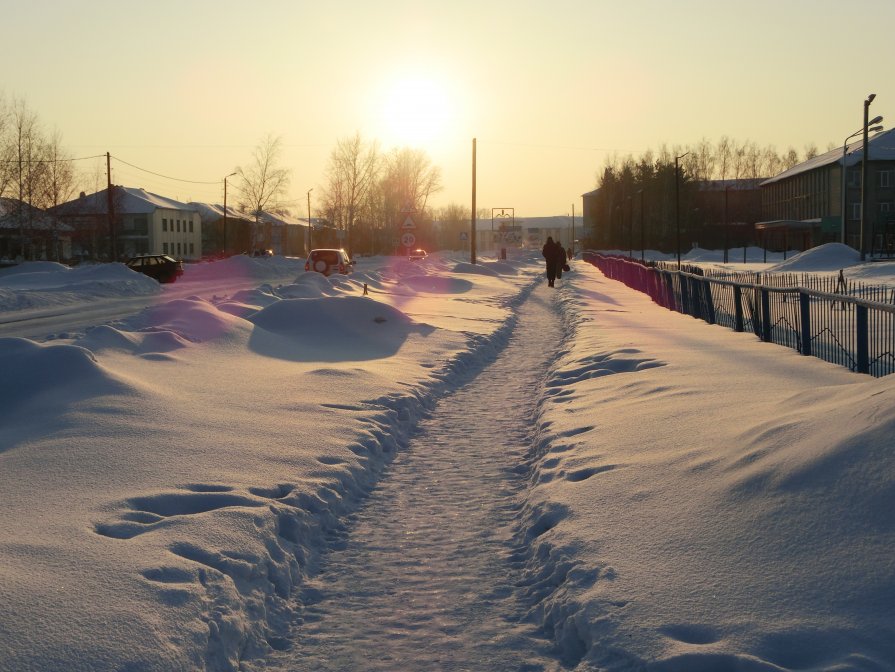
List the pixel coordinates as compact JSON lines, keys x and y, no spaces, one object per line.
{"x":561,"y":260}
{"x":551,"y":252}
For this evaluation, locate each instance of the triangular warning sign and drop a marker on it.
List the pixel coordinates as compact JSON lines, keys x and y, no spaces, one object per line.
{"x":408,"y":223}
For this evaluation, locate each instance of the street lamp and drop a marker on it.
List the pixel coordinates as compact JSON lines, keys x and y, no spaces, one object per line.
{"x":677,"y":204}
{"x":873,"y":129}
{"x":309,"y":220}
{"x":865,"y":163}
{"x":225,"y":206}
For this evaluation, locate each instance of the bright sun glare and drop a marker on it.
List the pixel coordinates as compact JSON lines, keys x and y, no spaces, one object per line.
{"x":416,"y":111}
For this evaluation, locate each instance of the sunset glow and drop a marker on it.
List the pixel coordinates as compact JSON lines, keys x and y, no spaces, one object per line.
{"x":415,"y":110}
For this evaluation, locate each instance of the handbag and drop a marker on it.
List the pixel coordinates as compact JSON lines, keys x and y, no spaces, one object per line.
{"x":565,"y":268}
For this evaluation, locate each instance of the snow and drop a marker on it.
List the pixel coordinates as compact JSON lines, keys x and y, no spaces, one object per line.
{"x":175,"y":480}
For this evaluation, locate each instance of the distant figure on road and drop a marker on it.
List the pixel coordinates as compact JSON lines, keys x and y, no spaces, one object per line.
{"x":561,"y":261}
{"x":552,"y":254}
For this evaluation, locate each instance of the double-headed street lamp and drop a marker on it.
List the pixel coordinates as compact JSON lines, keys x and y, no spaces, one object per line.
{"x":677,"y":204}
{"x":873,"y":129}
{"x":865,"y":164}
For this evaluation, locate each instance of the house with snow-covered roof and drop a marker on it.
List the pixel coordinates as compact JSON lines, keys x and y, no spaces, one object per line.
{"x":28,"y":233}
{"x":821,"y":198}
{"x":141,"y":223}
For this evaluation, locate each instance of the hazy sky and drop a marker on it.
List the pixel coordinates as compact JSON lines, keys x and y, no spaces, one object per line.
{"x":187,"y":88}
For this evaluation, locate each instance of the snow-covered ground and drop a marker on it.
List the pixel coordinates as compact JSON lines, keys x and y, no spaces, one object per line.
{"x":171,"y":479}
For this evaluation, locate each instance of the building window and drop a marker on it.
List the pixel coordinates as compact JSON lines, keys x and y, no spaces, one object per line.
{"x":178,"y":249}
{"x":164,"y":247}
{"x":885,"y":178}
{"x":191,"y":249}
{"x":885,"y":206}
{"x":854,"y":177}
{"x":164,"y":224}
{"x":855,"y":211}
{"x":191,"y":226}
{"x":178,"y":226}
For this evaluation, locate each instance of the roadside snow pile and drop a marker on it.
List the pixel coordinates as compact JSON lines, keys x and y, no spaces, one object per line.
{"x":704,"y":501}
{"x":828,"y":257}
{"x":168,"y":481}
{"x":244,"y":266}
{"x":42,"y":284}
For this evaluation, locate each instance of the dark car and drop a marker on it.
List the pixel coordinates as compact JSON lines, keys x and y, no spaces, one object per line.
{"x":159,"y":266}
{"x":329,"y":261}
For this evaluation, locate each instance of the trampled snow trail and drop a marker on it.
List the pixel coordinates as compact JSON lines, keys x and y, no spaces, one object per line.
{"x":424,"y":579}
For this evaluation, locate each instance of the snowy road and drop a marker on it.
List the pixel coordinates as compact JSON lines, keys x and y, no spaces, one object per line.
{"x":424,"y":576}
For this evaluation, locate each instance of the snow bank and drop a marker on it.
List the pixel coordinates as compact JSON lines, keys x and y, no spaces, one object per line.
{"x":168,"y":480}
{"x":703,"y":501}
{"x":828,"y":257}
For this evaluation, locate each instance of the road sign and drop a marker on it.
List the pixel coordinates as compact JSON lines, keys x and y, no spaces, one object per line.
{"x":464,"y":235}
{"x":408,"y":239}
{"x":408,"y":223}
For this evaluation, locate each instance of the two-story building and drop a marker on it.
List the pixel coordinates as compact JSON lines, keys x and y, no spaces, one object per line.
{"x":819,"y":200}
{"x":141,"y":223}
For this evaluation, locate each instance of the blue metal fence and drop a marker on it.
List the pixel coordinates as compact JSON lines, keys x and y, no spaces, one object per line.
{"x":844,"y":329}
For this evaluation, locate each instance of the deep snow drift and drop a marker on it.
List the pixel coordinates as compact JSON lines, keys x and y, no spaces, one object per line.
{"x":699,"y":500}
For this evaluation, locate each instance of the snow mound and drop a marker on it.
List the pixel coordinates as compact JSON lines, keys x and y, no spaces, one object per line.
{"x":104,"y":337}
{"x":436,"y":284}
{"x":330,"y":329}
{"x":828,"y":257}
{"x":476,"y":269}
{"x":34,"y":267}
{"x":501,"y":267}
{"x":48,"y":376}
{"x":193,"y":319}
{"x":243,"y":266}
{"x":254,"y":297}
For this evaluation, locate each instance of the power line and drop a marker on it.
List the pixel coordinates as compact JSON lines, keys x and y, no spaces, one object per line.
{"x":167,"y":177}
{"x":80,"y":158}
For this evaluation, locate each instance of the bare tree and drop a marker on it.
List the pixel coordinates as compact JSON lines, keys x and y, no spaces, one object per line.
{"x":351,"y":173}
{"x":811,"y":151}
{"x":263,"y":184}
{"x":790,"y":159}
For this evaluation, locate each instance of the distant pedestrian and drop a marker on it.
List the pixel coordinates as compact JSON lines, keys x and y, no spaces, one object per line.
{"x":561,"y":262}
{"x":552,"y":252}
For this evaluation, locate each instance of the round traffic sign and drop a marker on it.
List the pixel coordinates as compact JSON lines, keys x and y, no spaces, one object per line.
{"x":408,"y":239}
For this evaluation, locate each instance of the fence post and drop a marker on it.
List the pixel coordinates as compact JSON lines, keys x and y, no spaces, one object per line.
{"x":738,"y":308}
{"x":685,"y":293}
{"x":765,"y":315}
{"x":805,"y":319}
{"x":861,"y":324}
{"x":709,"y":303}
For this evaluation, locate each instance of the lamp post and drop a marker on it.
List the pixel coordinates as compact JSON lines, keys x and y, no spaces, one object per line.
{"x":865,"y":163}
{"x":225,"y":206}
{"x":677,"y":204}
{"x":874,"y":129}
{"x":309,"y":220}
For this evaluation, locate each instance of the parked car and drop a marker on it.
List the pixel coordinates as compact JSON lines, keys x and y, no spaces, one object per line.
{"x":329,"y":261}
{"x":417,"y":254}
{"x":159,"y":266}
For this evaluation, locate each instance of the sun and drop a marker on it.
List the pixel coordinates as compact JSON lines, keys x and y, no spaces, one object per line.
{"x":417,"y":111}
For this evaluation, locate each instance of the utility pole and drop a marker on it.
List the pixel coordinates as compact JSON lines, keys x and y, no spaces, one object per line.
{"x":573,"y":229}
{"x":113,"y":243}
{"x":472,"y":225}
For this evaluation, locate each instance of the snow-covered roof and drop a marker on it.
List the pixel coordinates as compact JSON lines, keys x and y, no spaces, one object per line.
{"x":882,"y":148}
{"x":128,"y":201}
{"x":281,"y":219}
{"x":35,"y":219}
{"x":212,"y":212}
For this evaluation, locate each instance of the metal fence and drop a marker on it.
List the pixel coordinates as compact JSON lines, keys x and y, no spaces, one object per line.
{"x":837,"y":326}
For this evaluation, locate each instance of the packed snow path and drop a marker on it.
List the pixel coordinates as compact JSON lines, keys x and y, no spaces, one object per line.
{"x":424,"y":578}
